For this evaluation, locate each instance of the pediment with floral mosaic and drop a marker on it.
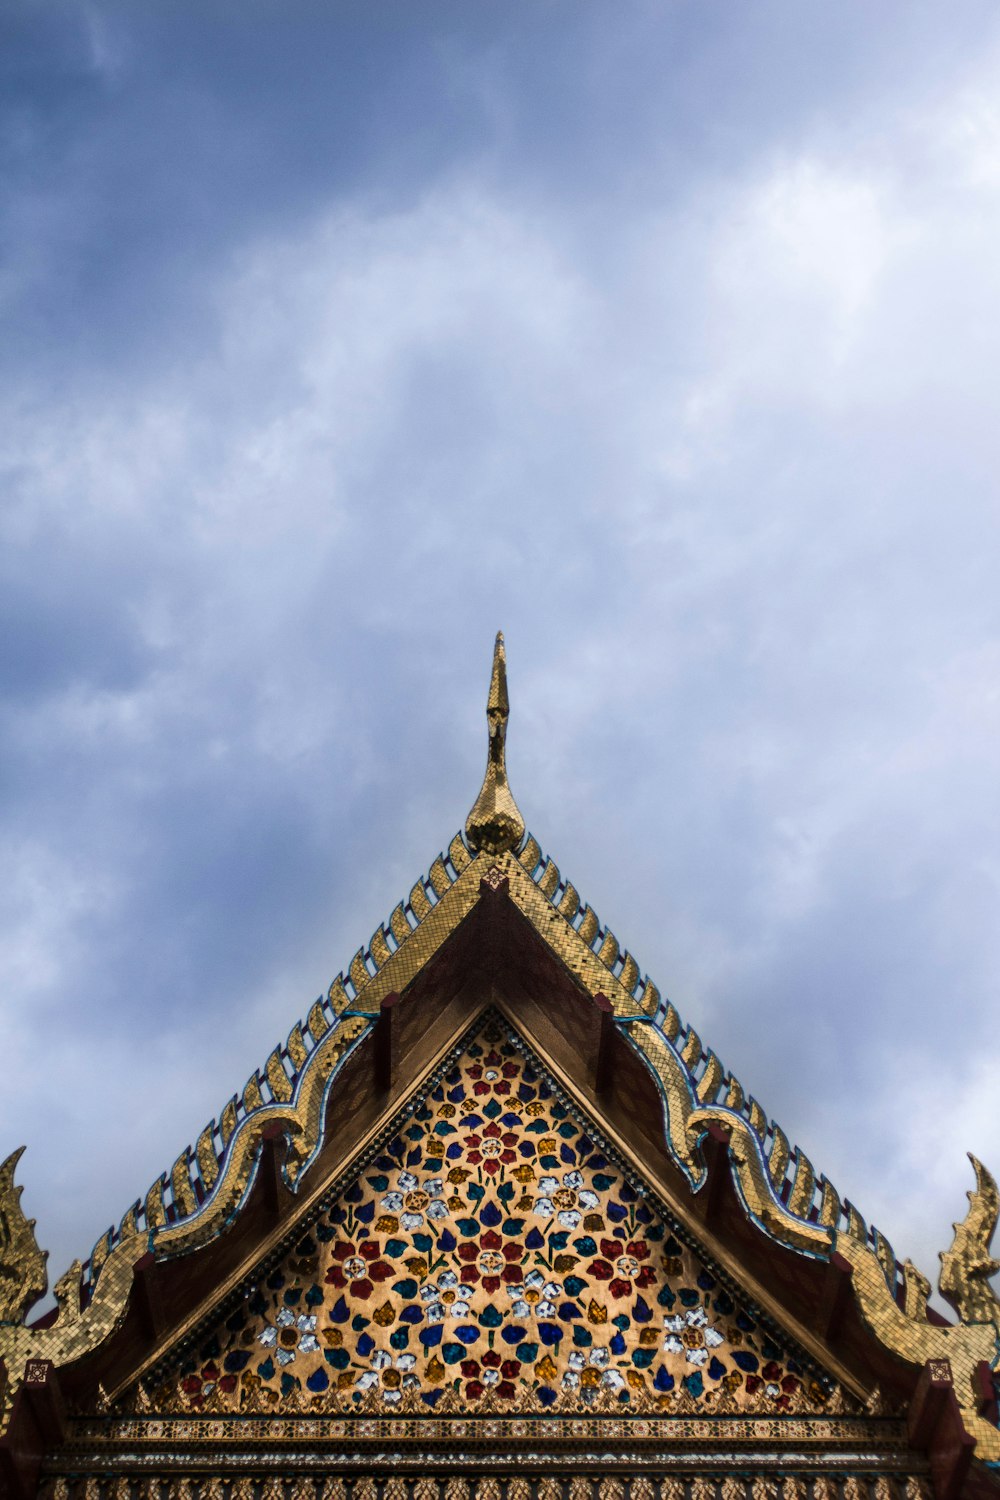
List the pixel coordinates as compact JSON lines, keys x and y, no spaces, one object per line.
{"x":491,"y":1255}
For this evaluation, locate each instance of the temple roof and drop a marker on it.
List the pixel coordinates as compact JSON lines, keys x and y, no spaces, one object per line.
{"x":791,"y":1200}
{"x":494,"y":917}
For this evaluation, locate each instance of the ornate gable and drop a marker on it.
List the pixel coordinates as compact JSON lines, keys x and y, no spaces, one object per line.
{"x":492,"y":1256}
{"x":494,"y":1209}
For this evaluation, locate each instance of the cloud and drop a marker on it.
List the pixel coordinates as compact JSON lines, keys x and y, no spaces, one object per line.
{"x":714,"y":445}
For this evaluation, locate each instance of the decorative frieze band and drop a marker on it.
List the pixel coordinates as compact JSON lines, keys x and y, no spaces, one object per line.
{"x":779,"y":1486}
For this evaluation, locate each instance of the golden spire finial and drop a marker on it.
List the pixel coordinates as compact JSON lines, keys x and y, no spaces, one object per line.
{"x":495,"y":824}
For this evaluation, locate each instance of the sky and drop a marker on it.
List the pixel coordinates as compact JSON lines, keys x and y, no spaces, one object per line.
{"x":664,"y":337}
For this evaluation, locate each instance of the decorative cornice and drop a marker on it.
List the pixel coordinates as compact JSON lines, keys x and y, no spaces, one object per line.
{"x":681,"y":1420}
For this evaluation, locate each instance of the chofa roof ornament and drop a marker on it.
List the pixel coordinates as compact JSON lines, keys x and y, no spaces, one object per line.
{"x":23,"y":1275}
{"x":495,"y":824}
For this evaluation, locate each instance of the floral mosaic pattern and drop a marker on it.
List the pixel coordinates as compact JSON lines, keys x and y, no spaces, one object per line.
{"x":491,"y":1251}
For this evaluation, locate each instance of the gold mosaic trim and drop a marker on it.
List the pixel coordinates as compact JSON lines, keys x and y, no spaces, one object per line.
{"x":669,"y":1428}
{"x":631,"y":993}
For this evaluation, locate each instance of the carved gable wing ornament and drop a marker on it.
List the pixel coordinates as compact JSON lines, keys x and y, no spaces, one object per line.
{"x":24,"y":1278}
{"x":967,"y":1267}
{"x":23,"y":1274}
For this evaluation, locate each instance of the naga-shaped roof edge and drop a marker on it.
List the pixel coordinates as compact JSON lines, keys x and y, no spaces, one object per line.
{"x":800,"y":1210}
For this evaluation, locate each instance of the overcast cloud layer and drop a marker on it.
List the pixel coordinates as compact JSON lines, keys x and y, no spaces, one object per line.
{"x":664,"y":337}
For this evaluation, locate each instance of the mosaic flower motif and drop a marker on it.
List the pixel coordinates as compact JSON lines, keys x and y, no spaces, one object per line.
{"x":493,"y":1077}
{"x":493,"y":1148}
{"x":565,"y":1200}
{"x":444,"y":1298}
{"x":289,"y":1335}
{"x":391,"y":1375}
{"x":492,"y":1372}
{"x":489,"y":1261}
{"x":358,"y":1269}
{"x":534,"y":1296}
{"x":691,"y":1335}
{"x":405,"y":1208}
{"x":624,"y":1266}
{"x":198,"y":1387}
